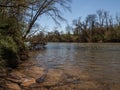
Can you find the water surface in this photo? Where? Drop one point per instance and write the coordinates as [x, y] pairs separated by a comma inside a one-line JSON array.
[[101, 61]]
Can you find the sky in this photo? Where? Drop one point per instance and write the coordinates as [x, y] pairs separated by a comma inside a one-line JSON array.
[[81, 8]]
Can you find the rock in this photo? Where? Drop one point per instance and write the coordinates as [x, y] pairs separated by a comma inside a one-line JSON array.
[[2, 83], [35, 72], [28, 82], [14, 80], [41, 79], [16, 77], [12, 86], [3, 75], [53, 77]]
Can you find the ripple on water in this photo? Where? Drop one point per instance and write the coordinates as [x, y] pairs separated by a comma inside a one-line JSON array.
[[98, 62]]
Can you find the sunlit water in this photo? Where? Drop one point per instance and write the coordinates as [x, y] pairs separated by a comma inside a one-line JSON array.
[[100, 60]]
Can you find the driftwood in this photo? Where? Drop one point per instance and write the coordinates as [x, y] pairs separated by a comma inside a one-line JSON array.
[[37, 46]]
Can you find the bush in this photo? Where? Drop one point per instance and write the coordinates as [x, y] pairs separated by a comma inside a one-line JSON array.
[[12, 47], [9, 51]]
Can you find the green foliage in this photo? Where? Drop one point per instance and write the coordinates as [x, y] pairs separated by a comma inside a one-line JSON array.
[[12, 46], [9, 51]]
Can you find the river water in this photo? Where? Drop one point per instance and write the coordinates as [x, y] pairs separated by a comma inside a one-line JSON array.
[[101, 61]]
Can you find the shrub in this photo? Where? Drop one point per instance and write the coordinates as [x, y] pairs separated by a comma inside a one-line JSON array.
[[9, 51]]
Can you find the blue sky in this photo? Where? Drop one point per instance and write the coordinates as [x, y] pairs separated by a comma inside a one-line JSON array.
[[81, 8]]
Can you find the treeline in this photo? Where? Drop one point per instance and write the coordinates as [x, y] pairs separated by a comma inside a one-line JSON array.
[[99, 27]]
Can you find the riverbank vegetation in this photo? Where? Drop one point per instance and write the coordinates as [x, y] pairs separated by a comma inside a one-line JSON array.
[[98, 27], [18, 22]]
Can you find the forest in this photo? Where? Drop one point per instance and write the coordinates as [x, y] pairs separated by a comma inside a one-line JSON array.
[[98, 27]]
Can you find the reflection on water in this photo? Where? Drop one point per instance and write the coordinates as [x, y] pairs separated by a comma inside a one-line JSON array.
[[101, 61]]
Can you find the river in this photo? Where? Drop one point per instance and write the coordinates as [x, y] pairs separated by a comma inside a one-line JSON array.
[[101, 61]]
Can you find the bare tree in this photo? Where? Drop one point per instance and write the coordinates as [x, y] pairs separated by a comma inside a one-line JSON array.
[[101, 17], [78, 26], [29, 11], [106, 14], [91, 20], [118, 20], [48, 7]]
